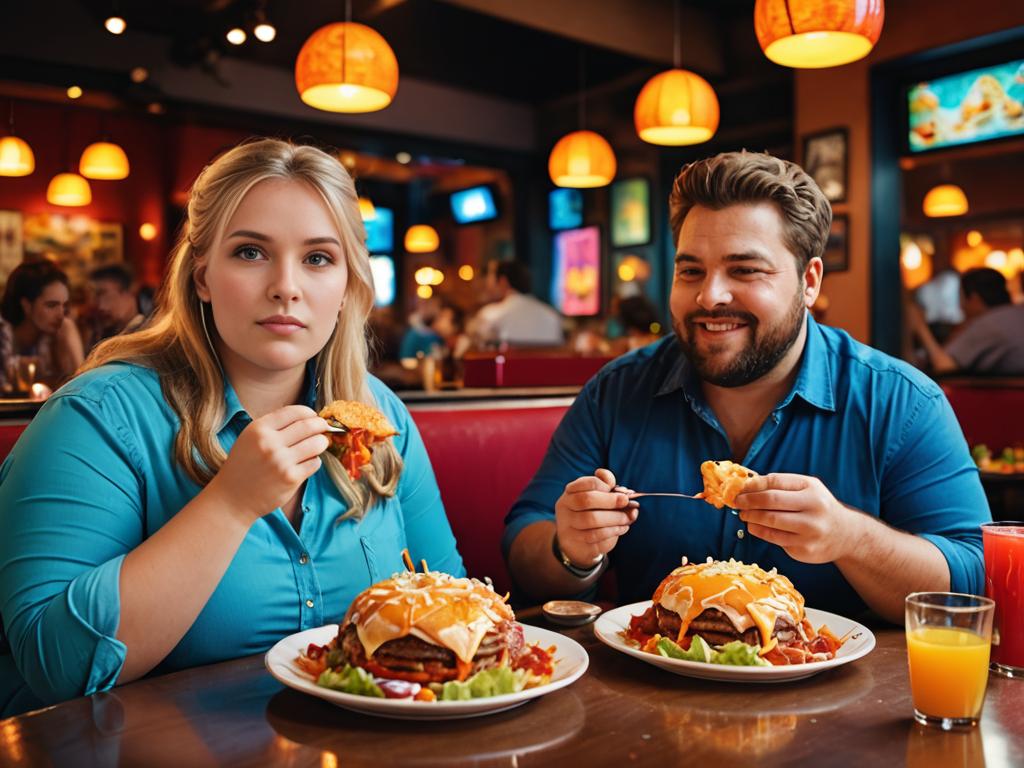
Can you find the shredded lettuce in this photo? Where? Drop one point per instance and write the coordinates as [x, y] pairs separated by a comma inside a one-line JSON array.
[[734, 654], [350, 680], [485, 683], [699, 650]]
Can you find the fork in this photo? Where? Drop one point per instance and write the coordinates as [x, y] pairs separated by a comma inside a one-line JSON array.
[[340, 430], [637, 494]]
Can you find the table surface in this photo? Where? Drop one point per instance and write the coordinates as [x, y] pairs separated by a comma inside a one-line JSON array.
[[621, 712]]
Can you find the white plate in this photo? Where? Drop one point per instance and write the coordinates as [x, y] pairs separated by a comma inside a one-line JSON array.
[[610, 624], [571, 661]]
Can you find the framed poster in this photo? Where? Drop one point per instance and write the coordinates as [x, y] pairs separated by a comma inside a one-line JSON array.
[[837, 247], [10, 243], [576, 278], [825, 160], [78, 244], [631, 213]]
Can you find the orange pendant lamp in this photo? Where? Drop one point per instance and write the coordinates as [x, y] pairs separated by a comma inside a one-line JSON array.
[[945, 200], [104, 160], [16, 158], [367, 210], [810, 34], [677, 107], [346, 67], [69, 190], [582, 159], [421, 238]]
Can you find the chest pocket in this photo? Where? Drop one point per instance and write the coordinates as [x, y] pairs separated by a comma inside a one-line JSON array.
[[382, 539]]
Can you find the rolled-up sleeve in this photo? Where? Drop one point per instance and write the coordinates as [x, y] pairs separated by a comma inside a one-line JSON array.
[[70, 510], [932, 489]]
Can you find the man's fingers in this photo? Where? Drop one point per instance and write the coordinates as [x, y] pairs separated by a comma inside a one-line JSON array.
[[588, 500], [595, 519], [791, 501], [779, 521], [605, 476], [599, 535], [775, 481], [587, 483], [773, 536]]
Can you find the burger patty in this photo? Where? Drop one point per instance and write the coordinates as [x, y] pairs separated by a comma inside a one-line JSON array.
[[411, 652], [716, 628]]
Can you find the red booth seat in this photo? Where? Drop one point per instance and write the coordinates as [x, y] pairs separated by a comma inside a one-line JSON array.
[[525, 368], [990, 411]]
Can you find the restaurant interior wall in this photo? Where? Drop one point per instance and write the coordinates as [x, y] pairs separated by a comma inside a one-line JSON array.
[[840, 96]]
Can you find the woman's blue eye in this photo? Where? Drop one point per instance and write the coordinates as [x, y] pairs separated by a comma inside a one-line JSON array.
[[249, 253], [319, 259]]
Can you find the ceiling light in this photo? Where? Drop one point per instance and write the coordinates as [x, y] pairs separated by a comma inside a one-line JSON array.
[[236, 35], [104, 160], [74, 92], [68, 189], [974, 238], [582, 159], [115, 25], [367, 209], [424, 291], [466, 272], [265, 32], [945, 200], [810, 34], [138, 74], [676, 108], [404, 158], [147, 231], [346, 67], [421, 238], [16, 158]]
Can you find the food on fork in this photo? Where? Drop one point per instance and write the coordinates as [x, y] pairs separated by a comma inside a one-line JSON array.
[[364, 427], [728, 612], [429, 636], [723, 482]]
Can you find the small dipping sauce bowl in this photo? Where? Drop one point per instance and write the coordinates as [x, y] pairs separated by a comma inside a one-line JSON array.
[[570, 613]]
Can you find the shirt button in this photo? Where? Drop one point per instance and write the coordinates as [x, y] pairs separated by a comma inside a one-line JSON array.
[[303, 558], [740, 534], [309, 603]]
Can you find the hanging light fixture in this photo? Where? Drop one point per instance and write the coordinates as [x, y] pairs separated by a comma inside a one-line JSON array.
[[421, 238], [676, 107], [68, 189], [945, 200], [367, 209], [810, 34], [104, 160], [346, 67], [582, 158], [16, 158]]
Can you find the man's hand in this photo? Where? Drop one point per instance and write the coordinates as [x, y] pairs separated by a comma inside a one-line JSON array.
[[590, 517], [800, 515]]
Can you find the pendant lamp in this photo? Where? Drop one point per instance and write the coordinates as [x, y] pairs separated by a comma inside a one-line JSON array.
[[421, 238], [810, 34], [104, 160], [945, 200], [346, 67], [69, 190], [16, 158], [677, 107], [366, 209], [583, 158]]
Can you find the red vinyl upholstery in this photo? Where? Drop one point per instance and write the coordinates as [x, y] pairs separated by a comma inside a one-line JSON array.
[[989, 414], [525, 368], [483, 458], [9, 434]]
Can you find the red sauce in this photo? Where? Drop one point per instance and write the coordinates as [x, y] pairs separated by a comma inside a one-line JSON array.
[[536, 660]]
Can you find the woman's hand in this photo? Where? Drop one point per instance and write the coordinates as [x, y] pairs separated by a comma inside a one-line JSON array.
[[272, 457]]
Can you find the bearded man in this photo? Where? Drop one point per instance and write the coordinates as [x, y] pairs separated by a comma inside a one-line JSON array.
[[865, 490]]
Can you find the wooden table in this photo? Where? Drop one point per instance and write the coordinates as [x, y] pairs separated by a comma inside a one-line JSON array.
[[622, 712]]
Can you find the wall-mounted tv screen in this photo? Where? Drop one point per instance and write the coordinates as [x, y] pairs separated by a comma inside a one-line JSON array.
[[473, 205], [565, 208], [972, 106], [631, 213], [383, 270], [380, 231], [576, 277]]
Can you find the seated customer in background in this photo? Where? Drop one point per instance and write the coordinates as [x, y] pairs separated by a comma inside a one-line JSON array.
[[34, 325], [992, 338], [115, 302], [866, 490], [420, 338], [514, 316], [173, 505]]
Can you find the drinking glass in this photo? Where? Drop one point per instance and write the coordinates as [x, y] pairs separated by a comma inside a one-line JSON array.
[[1004, 583], [948, 640]]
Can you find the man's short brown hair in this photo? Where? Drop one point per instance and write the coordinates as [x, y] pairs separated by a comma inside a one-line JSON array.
[[734, 178]]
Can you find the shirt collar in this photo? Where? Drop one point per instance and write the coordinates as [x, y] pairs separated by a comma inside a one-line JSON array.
[[814, 383], [233, 406]]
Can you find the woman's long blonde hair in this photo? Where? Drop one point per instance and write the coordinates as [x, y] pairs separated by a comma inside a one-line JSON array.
[[175, 344]]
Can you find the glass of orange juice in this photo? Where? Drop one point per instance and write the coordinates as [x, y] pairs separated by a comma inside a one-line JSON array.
[[949, 636]]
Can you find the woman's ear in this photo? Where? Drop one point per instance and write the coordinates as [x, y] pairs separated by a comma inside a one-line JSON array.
[[199, 280]]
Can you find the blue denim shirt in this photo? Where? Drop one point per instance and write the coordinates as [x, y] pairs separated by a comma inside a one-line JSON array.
[[879, 434], [93, 476]]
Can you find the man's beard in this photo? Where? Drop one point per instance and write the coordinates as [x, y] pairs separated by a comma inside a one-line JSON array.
[[759, 355]]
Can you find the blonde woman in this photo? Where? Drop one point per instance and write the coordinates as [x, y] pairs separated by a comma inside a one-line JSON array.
[[173, 505]]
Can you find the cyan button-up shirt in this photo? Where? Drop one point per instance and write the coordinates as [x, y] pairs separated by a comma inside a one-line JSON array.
[[879, 434], [93, 476]]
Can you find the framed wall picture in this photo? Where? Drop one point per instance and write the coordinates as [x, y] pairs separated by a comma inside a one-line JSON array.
[[837, 247], [10, 243], [576, 277], [78, 244], [631, 213], [825, 159]]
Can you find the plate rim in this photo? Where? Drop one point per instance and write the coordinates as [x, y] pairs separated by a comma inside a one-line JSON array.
[[292, 678], [737, 674]]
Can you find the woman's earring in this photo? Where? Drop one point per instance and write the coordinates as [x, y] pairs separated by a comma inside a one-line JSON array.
[[206, 331]]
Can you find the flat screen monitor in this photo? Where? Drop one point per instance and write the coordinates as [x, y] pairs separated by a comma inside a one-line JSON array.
[[383, 270], [380, 231], [978, 105], [473, 205], [565, 209], [576, 277]]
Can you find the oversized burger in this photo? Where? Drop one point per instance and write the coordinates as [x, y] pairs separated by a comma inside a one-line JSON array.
[[728, 612], [429, 635]]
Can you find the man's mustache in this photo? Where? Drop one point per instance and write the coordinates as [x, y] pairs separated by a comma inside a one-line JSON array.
[[692, 318]]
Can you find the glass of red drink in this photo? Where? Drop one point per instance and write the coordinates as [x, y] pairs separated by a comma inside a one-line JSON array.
[[1004, 583]]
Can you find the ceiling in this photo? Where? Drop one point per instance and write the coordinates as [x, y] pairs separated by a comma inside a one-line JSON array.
[[528, 51]]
